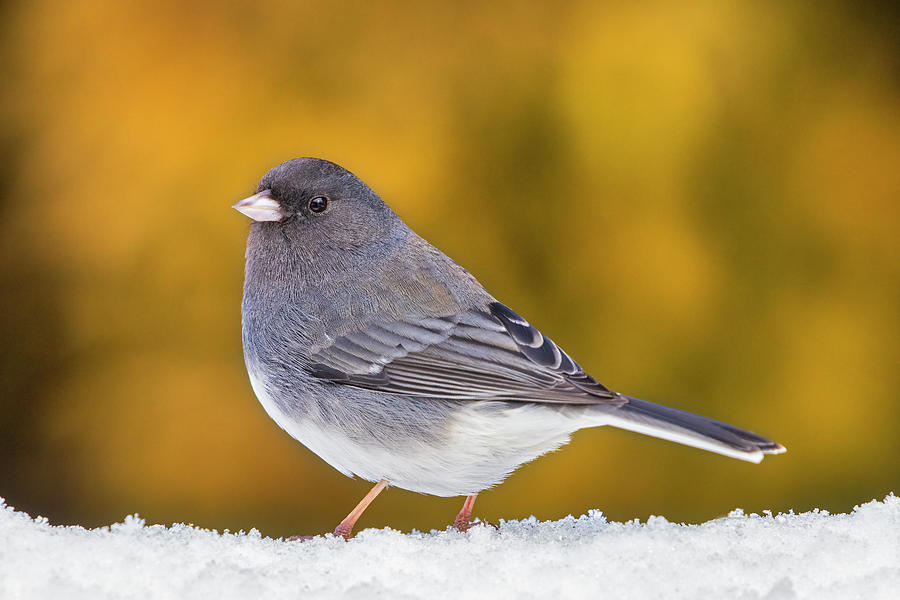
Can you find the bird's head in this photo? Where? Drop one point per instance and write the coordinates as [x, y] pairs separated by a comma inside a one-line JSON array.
[[314, 201]]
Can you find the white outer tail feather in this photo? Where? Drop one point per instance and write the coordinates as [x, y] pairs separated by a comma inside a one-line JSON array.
[[695, 440], [685, 428]]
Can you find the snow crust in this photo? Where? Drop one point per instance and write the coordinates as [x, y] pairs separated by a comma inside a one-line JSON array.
[[777, 557]]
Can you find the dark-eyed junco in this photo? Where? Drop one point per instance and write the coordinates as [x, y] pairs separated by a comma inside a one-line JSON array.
[[392, 363]]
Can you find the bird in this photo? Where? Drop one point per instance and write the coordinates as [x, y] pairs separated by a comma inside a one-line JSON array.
[[393, 364]]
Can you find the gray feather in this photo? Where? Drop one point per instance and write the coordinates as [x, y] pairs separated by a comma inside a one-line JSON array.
[[489, 354]]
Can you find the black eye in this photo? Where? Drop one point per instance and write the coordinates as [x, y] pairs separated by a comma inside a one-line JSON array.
[[318, 204]]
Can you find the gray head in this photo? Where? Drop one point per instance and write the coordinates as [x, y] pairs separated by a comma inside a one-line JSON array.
[[316, 203]]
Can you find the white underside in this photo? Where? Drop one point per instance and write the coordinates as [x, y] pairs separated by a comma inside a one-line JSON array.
[[481, 446]]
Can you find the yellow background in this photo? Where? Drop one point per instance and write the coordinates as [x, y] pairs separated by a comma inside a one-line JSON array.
[[699, 201]]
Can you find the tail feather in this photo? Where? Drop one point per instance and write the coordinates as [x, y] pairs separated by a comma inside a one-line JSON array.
[[690, 429]]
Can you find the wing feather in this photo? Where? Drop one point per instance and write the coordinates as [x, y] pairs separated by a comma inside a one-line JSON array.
[[489, 354]]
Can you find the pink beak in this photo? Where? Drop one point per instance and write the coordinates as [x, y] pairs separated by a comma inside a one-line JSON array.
[[260, 207]]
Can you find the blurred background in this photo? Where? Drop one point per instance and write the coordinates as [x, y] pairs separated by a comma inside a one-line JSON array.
[[699, 201]]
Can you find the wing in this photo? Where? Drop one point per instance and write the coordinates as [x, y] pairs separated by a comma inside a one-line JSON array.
[[490, 354]]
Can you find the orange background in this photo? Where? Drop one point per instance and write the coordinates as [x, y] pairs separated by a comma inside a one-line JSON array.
[[699, 201]]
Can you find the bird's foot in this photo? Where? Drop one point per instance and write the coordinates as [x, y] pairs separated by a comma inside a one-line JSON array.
[[463, 526], [345, 529], [342, 531]]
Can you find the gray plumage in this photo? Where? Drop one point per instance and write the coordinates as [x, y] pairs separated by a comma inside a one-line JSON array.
[[390, 361]]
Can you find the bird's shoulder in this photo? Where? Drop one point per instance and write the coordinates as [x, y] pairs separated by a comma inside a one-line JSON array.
[[431, 275], [406, 282]]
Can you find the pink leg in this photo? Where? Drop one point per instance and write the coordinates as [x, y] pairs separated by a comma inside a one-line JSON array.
[[345, 529], [463, 519]]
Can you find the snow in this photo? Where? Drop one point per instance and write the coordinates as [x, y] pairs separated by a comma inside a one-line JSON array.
[[777, 557]]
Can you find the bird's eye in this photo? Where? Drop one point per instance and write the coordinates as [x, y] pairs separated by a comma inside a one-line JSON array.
[[318, 204]]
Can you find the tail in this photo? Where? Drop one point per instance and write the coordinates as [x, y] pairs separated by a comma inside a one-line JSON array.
[[689, 429]]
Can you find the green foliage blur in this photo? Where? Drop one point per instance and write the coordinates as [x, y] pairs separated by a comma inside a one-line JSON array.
[[700, 201]]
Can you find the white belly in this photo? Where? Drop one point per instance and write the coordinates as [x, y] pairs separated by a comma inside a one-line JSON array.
[[483, 444]]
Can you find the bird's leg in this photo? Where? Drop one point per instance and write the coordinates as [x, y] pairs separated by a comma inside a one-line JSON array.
[[345, 529], [463, 519]]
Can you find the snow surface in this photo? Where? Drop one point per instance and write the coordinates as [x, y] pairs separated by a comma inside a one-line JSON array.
[[809, 555]]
